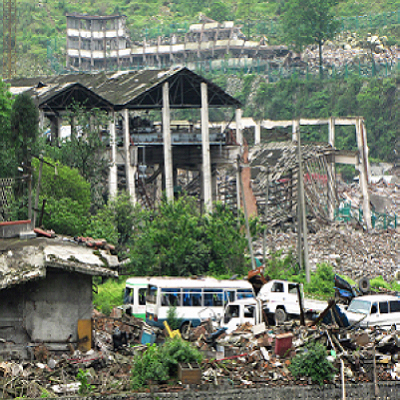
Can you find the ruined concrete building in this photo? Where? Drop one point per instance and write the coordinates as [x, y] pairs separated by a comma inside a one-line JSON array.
[[46, 293], [101, 42], [95, 42]]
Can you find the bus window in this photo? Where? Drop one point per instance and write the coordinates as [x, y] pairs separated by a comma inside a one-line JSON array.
[[244, 294], [152, 294], [142, 296], [229, 296], [128, 296], [191, 297], [213, 297], [171, 297]]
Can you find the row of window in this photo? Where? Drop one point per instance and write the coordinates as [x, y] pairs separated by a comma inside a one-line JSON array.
[[193, 297], [386, 307]]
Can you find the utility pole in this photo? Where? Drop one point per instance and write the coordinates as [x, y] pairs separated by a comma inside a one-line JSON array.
[[302, 207], [246, 217], [265, 213]]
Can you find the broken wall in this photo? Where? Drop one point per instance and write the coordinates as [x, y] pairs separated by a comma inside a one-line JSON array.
[[45, 310]]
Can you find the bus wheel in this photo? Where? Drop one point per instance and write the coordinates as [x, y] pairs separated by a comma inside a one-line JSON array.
[[280, 316], [185, 330]]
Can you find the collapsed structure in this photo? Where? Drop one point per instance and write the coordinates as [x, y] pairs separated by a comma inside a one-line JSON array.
[[46, 294], [102, 42]]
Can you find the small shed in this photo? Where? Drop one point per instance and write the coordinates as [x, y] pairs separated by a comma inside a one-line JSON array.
[[46, 293]]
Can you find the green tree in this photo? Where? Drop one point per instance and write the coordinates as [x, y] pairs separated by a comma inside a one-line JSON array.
[[309, 21], [67, 196], [312, 363], [114, 222], [177, 240], [85, 149], [24, 126], [7, 155]]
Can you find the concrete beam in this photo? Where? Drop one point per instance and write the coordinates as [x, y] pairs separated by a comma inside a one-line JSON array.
[[112, 180], [257, 133], [239, 133], [363, 174], [166, 117], [130, 170], [205, 139]]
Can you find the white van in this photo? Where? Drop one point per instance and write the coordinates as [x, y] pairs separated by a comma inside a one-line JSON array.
[[374, 310]]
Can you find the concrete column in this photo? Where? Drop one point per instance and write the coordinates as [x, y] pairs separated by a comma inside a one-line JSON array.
[[130, 170], [257, 133], [214, 185], [41, 120], [366, 151], [331, 173], [112, 180], [239, 133], [166, 118], [363, 175], [205, 146], [295, 128], [55, 129]]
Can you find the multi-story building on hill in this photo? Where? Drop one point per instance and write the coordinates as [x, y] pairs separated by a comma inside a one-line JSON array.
[[99, 43]]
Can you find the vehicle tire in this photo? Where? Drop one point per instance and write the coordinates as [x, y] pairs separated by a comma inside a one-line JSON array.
[[185, 330], [363, 285], [280, 316]]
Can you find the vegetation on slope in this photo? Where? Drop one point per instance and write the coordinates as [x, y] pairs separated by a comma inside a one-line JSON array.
[[377, 100], [41, 28]]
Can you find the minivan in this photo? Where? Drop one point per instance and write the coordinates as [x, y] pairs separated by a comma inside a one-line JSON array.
[[374, 310]]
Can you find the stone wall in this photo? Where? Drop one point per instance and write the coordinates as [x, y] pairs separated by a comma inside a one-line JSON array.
[[387, 391]]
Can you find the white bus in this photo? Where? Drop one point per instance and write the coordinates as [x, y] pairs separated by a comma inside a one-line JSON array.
[[195, 299], [135, 296]]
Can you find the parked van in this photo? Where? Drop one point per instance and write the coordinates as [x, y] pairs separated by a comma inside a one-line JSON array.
[[374, 310]]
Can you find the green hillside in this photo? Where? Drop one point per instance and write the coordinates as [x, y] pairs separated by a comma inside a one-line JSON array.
[[41, 27], [41, 35]]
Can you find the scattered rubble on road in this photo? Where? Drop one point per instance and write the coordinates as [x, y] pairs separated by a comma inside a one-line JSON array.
[[248, 357]]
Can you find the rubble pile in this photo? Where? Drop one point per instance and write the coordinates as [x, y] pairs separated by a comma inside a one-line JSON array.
[[251, 356], [350, 48], [249, 359], [351, 252]]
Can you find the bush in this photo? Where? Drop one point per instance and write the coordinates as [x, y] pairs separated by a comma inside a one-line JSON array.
[[312, 363], [177, 350], [160, 363], [322, 282], [109, 295], [173, 320], [148, 367]]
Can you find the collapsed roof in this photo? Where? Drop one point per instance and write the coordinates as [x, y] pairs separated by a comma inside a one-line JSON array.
[[138, 90], [22, 261]]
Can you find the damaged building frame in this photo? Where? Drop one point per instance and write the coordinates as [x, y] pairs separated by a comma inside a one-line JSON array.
[[102, 42], [275, 164], [167, 145], [46, 294]]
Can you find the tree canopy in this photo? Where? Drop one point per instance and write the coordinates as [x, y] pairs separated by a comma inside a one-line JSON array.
[[177, 240], [24, 126], [7, 155], [309, 21]]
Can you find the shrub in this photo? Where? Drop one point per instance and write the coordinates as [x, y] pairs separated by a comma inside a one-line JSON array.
[[312, 363], [148, 367], [177, 350], [83, 378], [109, 295], [161, 363], [173, 320]]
